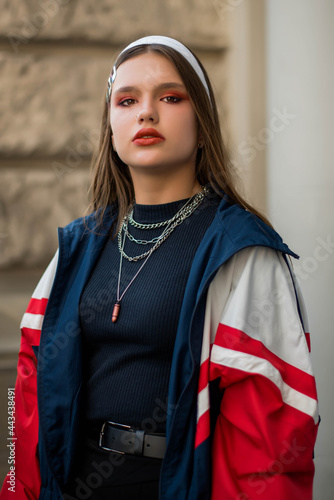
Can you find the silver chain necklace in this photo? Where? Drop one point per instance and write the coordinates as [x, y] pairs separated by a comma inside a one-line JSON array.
[[188, 206], [187, 209]]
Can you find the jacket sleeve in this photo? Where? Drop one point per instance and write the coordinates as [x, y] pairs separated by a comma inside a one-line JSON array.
[[265, 433], [23, 481]]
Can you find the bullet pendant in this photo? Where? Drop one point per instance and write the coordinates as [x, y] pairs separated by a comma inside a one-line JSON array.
[[115, 312]]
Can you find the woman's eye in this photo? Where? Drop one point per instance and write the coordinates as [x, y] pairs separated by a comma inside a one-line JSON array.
[[172, 99], [126, 102]]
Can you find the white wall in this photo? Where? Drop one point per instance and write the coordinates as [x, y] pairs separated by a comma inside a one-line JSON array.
[[300, 79]]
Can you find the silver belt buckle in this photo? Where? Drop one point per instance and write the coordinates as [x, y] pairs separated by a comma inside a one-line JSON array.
[[122, 426]]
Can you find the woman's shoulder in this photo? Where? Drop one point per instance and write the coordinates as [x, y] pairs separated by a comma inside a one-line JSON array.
[[245, 229]]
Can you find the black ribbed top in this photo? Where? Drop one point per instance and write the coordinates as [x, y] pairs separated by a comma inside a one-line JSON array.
[[127, 363]]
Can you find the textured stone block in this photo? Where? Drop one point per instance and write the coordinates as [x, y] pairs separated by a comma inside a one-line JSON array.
[[33, 204], [48, 103], [115, 22]]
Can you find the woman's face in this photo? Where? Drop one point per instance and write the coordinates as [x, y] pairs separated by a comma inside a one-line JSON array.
[[152, 119]]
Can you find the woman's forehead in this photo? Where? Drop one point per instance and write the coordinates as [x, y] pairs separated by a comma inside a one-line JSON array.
[[148, 70]]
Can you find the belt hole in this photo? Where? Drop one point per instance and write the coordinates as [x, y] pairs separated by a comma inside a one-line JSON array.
[[148, 445]]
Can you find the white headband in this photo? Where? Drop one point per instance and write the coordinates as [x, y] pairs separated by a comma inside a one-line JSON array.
[[169, 42]]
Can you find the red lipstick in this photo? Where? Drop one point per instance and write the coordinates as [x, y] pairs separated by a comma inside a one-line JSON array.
[[147, 137]]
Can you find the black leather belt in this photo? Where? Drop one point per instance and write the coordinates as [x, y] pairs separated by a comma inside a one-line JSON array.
[[124, 439]]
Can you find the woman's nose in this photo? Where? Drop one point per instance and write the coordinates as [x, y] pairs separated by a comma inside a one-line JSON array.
[[148, 113]]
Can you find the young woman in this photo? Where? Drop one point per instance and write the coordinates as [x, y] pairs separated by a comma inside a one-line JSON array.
[[168, 331]]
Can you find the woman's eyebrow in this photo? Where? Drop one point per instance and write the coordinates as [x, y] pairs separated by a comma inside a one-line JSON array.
[[161, 86]]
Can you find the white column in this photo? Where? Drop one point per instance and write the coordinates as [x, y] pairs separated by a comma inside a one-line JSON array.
[[245, 93], [300, 89]]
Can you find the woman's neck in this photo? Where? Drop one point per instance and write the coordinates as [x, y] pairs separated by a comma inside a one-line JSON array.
[[155, 190]]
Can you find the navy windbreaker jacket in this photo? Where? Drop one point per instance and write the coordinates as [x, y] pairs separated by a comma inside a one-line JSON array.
[[199, 462]]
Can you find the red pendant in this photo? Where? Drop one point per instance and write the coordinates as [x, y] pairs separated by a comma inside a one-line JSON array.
[[115, 312]]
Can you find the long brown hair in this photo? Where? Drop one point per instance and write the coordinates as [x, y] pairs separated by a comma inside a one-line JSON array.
[[112, 183]]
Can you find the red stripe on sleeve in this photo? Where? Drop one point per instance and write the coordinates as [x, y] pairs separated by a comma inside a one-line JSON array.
[[237, 340], [37, 306], [203, 428], [30, 336], [203, 375]]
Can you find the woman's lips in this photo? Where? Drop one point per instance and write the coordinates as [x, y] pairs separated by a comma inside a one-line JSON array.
[[147, 141], [147, 137]]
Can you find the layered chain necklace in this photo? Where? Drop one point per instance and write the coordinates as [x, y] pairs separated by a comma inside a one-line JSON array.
[[168, 227]]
